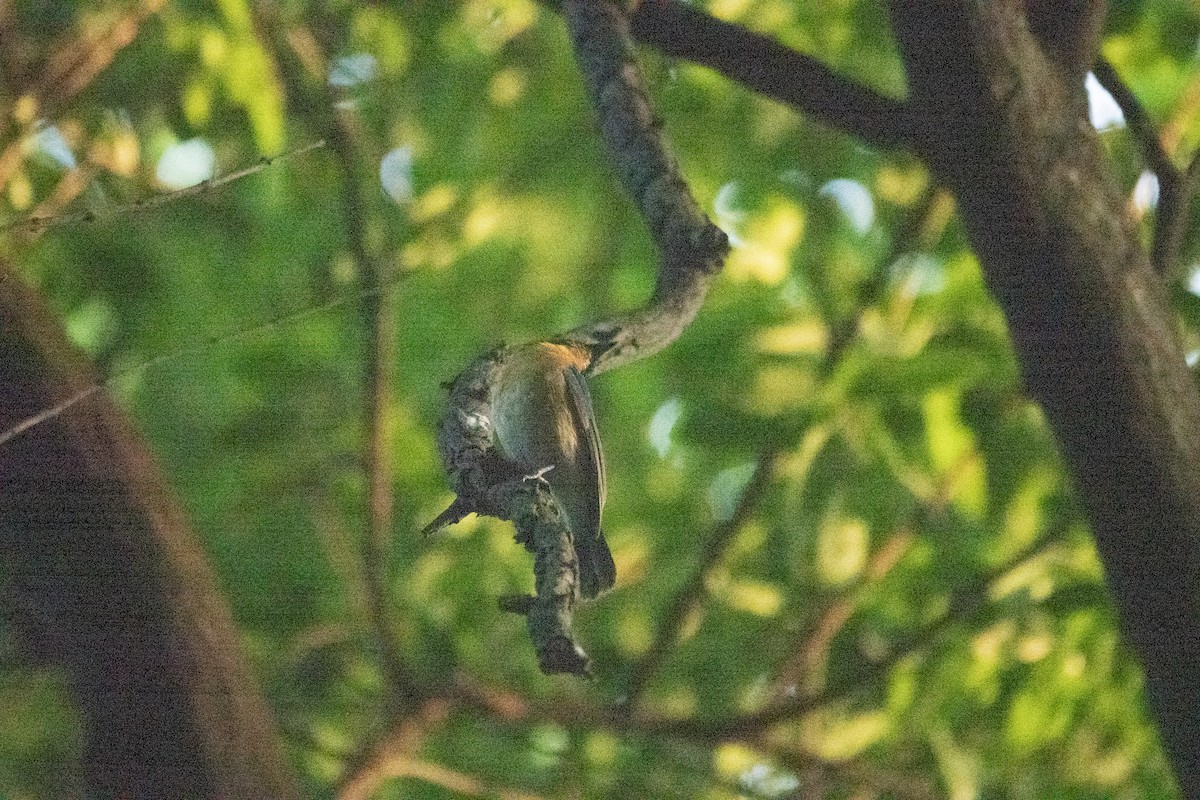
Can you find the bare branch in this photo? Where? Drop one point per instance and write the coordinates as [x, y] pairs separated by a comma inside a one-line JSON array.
[[691, 249], [1138, 121], [765, 66], [1176, 188], [452, 780], [800, 673]]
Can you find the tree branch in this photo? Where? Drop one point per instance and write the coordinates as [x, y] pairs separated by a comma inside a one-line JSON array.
[[691, 249], [1137, 119], [1175, 188], [384, 756], [108, 582], [765, 66], [1089, 320]]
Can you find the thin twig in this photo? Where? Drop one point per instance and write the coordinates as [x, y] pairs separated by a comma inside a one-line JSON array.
[[380, 756], [796, 675], [39, 224], [1176, 187], [193, 349], [964, 602], [689, 596], [459, 783]]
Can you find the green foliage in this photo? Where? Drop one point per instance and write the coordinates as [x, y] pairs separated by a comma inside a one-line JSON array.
[[915, 574]]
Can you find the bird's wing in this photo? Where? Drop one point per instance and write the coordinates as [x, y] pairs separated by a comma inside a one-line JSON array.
[[592, 454], [597, 570]]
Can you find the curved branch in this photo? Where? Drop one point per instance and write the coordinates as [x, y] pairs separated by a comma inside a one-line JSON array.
[[691, 252], [691, 248]]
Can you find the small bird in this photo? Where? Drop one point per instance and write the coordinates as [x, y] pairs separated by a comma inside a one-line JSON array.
[[542, 417]]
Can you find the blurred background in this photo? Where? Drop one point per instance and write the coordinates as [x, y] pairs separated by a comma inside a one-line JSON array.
[[849, 561]]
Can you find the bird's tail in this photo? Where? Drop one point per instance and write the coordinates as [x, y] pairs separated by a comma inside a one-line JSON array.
[[597, 571]]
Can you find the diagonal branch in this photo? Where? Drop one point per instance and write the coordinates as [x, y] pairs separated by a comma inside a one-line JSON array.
[[763, 65], [1176, 188], [1137, 118], [803, 671], [38, 224], [688, 598]]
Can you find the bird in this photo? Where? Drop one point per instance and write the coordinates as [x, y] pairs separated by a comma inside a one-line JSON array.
[[542, 420]]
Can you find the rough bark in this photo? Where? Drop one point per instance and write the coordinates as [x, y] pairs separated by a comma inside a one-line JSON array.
[[104, 578], [1089, 319], [691, 249]]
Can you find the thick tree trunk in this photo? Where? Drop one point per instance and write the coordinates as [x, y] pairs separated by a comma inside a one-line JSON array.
[[104, 577], [1088, 316]]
